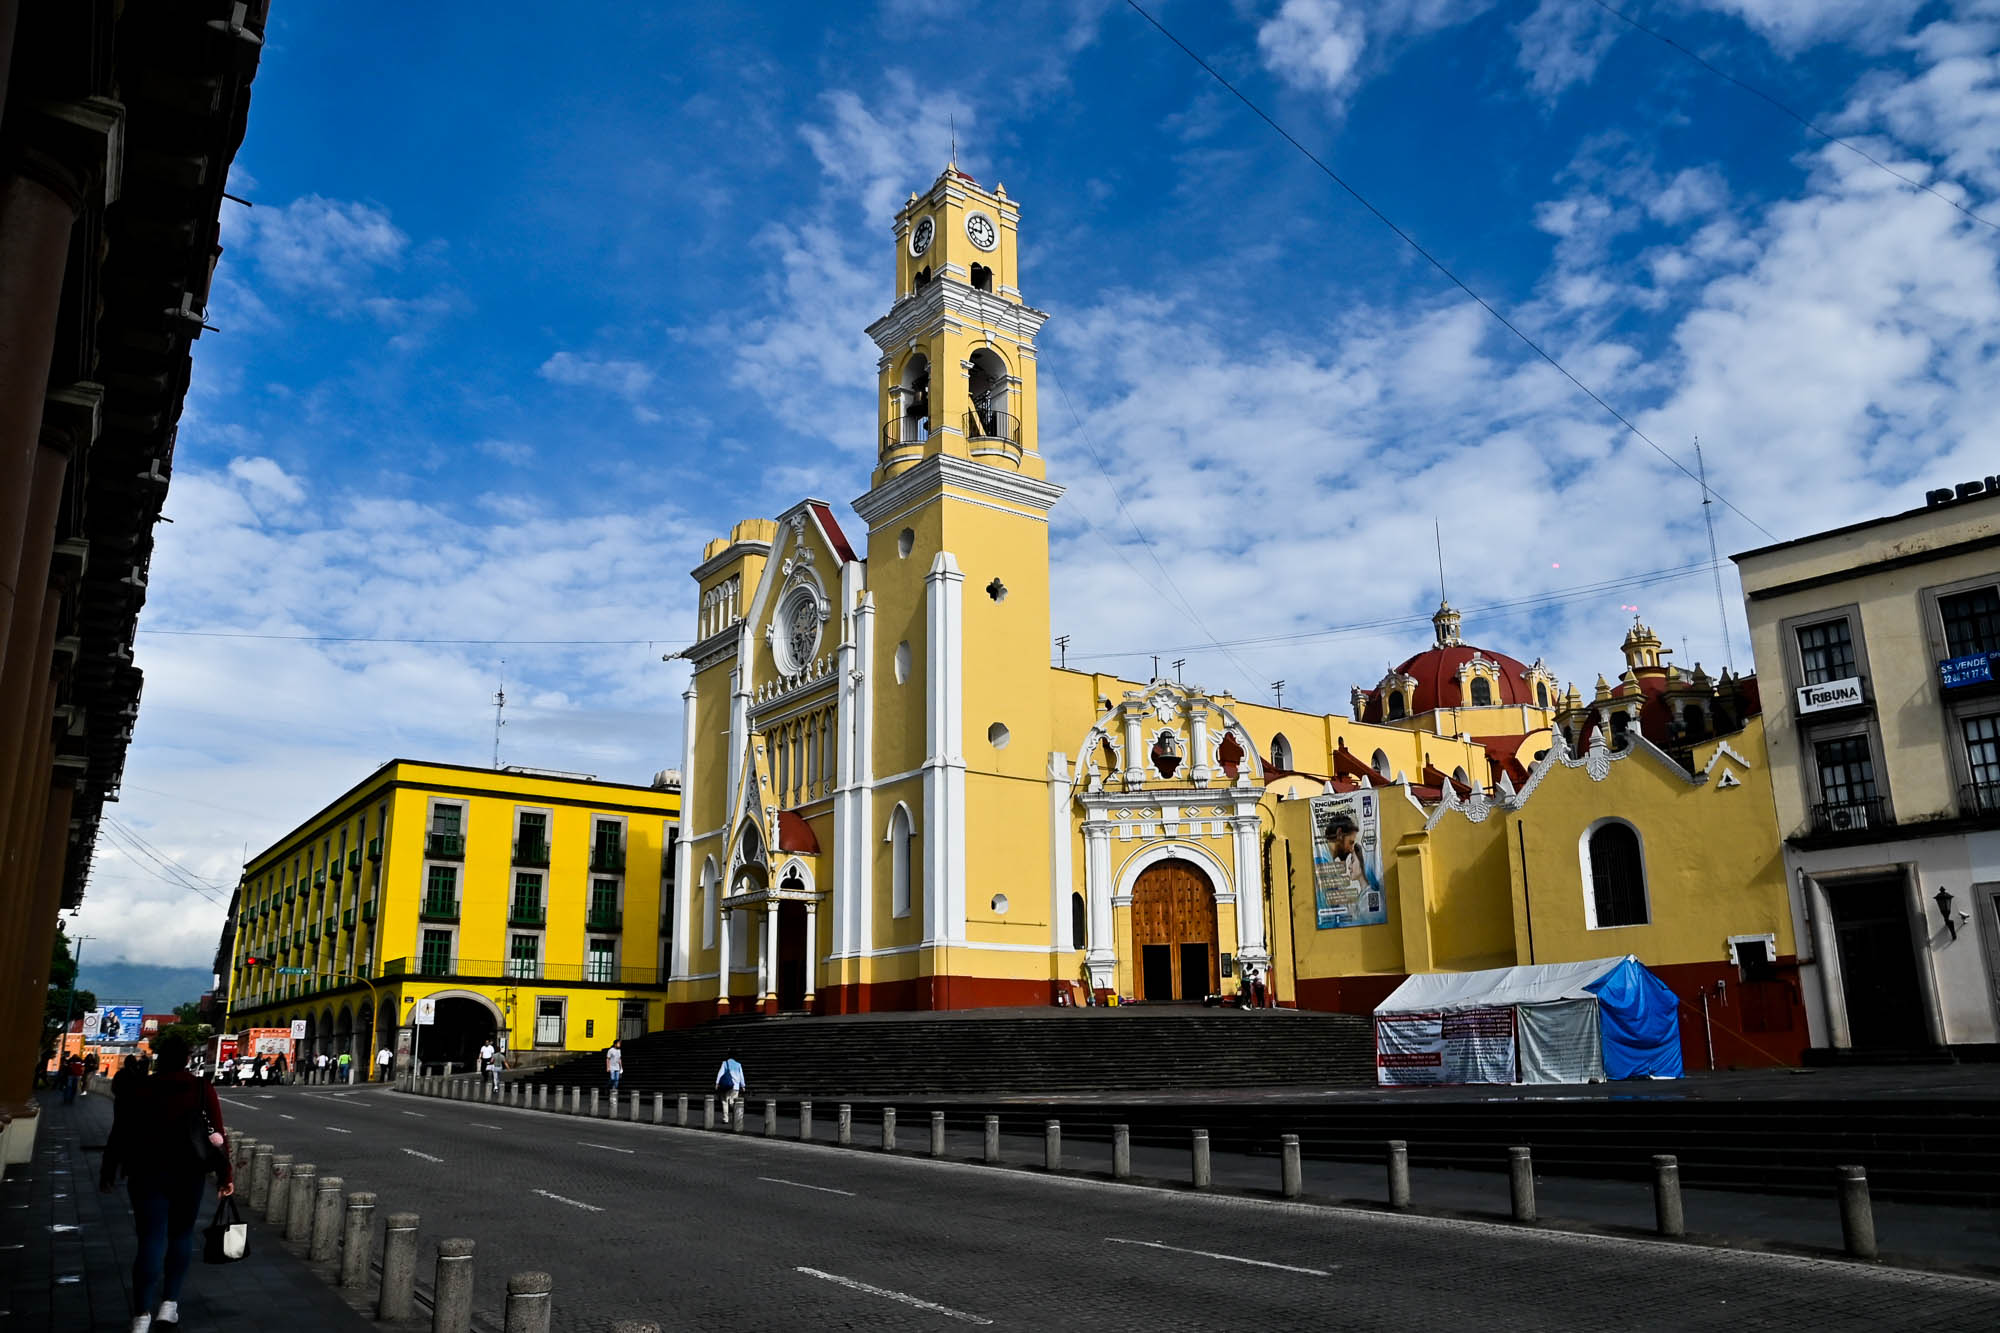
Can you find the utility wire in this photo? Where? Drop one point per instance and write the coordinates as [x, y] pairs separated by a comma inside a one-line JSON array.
[[1438, 264], [1763, 96], [168, 870], [367, 638]]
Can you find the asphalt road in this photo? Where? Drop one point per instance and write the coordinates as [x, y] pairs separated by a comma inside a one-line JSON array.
[[705, 1230]]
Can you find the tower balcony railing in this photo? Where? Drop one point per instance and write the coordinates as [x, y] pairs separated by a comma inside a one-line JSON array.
[[900, 431], [989, 424]]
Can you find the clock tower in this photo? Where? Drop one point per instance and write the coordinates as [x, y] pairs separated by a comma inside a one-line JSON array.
[[958, 572]]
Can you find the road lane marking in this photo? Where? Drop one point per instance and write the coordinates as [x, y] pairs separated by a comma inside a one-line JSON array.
[[485, 1126], [337, 1129], [852, 1285], [1211, 1254], [585, 1143], [426, 1156], [233, 1102], [418, 1114], [283, 1116], [574, 1203], [801, 1185]]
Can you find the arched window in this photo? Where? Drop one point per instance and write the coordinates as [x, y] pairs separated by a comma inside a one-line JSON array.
[[1620, 724], [986, 382], [1691, 719], [1281, 752], [1542, 693], [1615, 871], [1380, 763], [1482, 692], [901, 871], [1458, 775], [1079, 924], [1397, 708]]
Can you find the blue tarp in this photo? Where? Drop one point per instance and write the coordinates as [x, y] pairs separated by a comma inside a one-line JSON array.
[[1639, 1020]]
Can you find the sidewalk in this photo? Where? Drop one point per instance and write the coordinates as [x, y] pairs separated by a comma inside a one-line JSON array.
[[66, 1250]]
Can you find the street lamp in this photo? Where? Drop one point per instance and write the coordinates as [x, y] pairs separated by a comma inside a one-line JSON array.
[[1944, 901]]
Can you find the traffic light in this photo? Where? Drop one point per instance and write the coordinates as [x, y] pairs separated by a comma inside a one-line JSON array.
[[253, 960]]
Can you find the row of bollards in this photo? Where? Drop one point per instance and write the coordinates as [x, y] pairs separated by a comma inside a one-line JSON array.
[[1856, 1213], [333, 1226]]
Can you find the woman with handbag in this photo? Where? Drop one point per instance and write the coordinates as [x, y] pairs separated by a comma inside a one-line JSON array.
[[166, 1140]]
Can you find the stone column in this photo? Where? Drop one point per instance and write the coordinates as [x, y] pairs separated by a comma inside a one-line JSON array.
[[1102, 957], [767, 983], [812, 952], [722, 951], [1198, 771], [1249, 876]]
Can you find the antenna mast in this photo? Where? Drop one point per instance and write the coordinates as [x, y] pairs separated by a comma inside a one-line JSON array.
[[1714, 559], [499, 708], [1437, 534]]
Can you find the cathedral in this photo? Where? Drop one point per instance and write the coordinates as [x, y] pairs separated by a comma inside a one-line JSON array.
[[893, 800]]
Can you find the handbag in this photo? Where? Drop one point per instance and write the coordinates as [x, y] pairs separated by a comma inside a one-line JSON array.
[[225, 1242]]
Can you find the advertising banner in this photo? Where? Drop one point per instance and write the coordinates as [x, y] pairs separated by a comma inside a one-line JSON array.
[[1347, 860], [1452, 1046], [267, 1042], [117, 1024], [91, 1019]]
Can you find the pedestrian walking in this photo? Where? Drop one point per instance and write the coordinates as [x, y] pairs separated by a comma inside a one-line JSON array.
[[385, 1060], [72, 1078], [489, 1060], [166, 1140], [614, 1062], [319, 1063], [346, 1065], [730, 1085]]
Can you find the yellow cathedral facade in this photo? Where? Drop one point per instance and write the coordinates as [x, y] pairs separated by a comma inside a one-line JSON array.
[[893, 800]]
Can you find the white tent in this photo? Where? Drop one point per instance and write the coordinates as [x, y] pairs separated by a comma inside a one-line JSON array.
[[1544, 1023]]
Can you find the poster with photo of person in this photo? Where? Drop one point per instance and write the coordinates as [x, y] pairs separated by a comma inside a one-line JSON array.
[[1347, 860]]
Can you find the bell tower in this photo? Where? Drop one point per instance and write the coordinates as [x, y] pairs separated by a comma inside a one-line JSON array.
[[958, 346], [958, 581]]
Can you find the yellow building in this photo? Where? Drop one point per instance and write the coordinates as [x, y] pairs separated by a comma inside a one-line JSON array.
[[528, 905], [895, 801]]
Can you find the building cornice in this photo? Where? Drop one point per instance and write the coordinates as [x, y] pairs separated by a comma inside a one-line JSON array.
[[932, 475], [736, 551]]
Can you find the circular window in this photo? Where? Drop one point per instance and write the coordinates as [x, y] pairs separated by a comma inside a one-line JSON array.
[[797, 640], [997, 736], [999, 904]]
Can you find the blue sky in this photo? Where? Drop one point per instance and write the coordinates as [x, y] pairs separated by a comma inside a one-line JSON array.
[[532, 303]]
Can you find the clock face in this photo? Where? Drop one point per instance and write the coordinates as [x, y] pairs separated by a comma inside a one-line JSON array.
[[920, 235], [979, 229]]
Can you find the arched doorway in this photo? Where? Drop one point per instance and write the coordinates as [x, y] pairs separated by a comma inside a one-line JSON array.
[[461, 1027], [791, 956], [1173, 932]]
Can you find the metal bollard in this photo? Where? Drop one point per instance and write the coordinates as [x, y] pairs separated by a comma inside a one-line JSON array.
[[888, 1129], [528, 1302], [1202, 1174], [632, 1107], [1121, 1152], [399, 1265], [593, 1103], [937, 1133], [708, 1112], [805, 1122], [1291, 1174], [1521, 1184], [736, 1116], [357, 1241], [681, 1110], [1857, 1214], [299, 1212], [543, 1097], [1399, 1173], [260, 1178], [845, 1126], [451, 1290], [659, 1108], [770, 1119], [1052, 1144], [278, 1195], [992, 1153], [324, 1242], [1668, 1219]]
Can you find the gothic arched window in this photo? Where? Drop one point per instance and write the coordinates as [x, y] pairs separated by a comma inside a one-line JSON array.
[[1380, 763], [1281, 752], [1542, 693], [1078, 922], [902, 873]]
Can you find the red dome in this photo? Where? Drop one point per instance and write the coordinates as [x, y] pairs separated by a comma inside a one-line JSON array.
[[1435, 671]]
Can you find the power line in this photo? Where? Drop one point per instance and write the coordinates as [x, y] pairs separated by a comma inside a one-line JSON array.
[[1763, 96], [162, 867], [1438, 264], [369, 638]]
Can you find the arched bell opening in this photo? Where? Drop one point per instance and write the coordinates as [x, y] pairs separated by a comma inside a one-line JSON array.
[[990, 417], [910, 404]]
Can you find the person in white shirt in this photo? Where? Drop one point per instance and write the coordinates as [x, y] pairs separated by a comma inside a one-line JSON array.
[[491, 1065], [319, 1064], [384, 1058]]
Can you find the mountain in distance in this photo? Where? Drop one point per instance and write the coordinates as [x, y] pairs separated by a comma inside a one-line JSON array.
[[155, 987]]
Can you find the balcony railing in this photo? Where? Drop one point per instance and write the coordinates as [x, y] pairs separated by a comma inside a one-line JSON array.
[[905, 430], [319, 878], [347, 918], [526, 914], [439, 907], [532, 852], [354, 860], [445, 846], [437, 965], [312, 932], [496, 969], [608, 856], [992, 426], [1979, 798], [368, 910], [375, 849], [604, 918], [338, 868], [1849, 816], [290, 894]]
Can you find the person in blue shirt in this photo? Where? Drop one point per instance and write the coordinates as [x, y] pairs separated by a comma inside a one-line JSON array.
[[730, 1083]]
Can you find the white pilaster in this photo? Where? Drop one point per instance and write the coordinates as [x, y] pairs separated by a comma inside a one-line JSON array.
[[944, 767], [1135, 754], [1102, 957], [1061, 877], [1198, 741], [767, 953], [684, 885], [724, 962], [812, 952], [1249, 877], [861, 905]]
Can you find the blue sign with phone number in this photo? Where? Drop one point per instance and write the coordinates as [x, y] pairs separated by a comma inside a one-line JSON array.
[[1972, 669]]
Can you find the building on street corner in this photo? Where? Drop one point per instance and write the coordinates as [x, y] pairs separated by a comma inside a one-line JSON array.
[[1880, 641], [528, 905]]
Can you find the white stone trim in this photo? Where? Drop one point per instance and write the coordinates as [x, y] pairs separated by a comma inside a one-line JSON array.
[[944, 768], [931, 475], [1062, 877], [677, 965]]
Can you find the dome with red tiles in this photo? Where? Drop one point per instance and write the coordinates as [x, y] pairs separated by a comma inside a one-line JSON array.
[[1454, 674]]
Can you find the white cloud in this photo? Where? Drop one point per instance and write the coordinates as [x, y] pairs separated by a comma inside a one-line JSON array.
[[267, 480], [328, 249], [1562, 42], [1313, 44], [629, 380], [1792, 25]]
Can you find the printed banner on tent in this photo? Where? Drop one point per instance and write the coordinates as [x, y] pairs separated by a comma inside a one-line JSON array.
[[1459, 1046], [1347, 860]]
